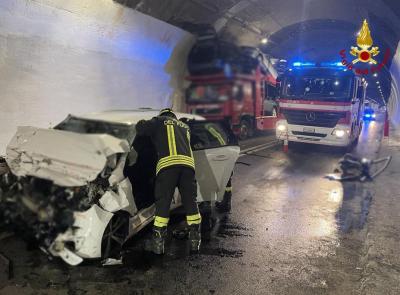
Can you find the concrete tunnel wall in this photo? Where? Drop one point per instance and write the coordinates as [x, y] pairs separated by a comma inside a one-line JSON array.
[[59, 57], [393, 103]]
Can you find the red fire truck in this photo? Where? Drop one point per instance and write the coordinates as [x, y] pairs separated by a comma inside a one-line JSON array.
[[246, 101], [321, 104]]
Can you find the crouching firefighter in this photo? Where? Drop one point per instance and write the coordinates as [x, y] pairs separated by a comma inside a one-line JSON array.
[[175, 168]]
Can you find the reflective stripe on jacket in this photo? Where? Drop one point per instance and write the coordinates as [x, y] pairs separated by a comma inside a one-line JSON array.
[[171, 139]]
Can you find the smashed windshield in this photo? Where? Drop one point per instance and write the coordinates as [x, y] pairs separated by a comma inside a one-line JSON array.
[[79, 125], [325, 88]]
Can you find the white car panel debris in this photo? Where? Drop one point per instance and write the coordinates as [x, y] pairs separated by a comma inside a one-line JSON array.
[[118, 174], [66, 158], [67, 255], [90, 228], [86, 235], [122, 200]]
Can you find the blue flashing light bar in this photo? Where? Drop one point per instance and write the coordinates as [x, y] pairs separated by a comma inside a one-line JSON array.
[[332, 64], [303, 64], [313, 64]]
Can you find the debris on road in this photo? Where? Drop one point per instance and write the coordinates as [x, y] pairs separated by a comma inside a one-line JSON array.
[[5, 235], [353, 168], [112, 261], [5, 270]]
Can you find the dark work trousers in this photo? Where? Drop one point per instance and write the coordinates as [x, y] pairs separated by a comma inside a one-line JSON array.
[[166, 182]]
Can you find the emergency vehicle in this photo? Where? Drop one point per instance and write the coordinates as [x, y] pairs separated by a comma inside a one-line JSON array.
[[246, 101], [321, 104]]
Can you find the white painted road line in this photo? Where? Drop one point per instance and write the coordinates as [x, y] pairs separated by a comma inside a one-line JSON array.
[[259, 147]]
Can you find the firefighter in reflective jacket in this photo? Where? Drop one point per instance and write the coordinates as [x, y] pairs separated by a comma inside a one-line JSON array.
[[175, 168]]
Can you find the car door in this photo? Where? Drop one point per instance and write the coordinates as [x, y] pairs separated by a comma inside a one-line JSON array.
[[215, 150]]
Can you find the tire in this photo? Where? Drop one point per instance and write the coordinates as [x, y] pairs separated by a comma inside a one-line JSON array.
[[246, 129], [115, 235]]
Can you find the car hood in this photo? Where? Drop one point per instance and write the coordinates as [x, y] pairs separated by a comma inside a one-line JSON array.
[[68, 159]]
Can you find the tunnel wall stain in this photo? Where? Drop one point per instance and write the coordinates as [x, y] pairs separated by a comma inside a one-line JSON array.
[[79, 56]]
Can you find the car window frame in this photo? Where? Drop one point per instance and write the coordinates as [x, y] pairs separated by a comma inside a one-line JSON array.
[[232, 140]]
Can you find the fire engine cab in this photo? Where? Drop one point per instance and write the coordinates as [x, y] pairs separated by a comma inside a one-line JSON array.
[[246, 101], [321, 104]]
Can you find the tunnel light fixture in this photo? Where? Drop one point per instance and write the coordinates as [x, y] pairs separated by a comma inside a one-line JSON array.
[[264, 40], [377, 82], [375, 75]]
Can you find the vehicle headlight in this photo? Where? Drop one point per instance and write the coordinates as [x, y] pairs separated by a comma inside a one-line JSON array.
[[281, 127], [373, 115], [339, 132]]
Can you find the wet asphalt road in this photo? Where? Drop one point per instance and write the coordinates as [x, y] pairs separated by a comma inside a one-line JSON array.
[[290, 232]]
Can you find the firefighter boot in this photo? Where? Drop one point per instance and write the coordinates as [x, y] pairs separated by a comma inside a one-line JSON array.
[[194, 238], [225, 204], [157, 241]]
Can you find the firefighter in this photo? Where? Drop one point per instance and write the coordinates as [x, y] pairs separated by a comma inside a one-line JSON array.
[[175, 168]]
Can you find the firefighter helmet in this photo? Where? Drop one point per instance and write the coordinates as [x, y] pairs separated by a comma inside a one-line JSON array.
[[167, 112]]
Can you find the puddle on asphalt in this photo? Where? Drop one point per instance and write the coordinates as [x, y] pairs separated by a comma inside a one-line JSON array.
[[354, 210]]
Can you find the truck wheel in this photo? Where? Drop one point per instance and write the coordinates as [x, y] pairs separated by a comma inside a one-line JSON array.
[[246, 130]]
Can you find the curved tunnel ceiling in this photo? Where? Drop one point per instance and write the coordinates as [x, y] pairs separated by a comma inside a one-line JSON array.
[[247, 21], [305, 29]]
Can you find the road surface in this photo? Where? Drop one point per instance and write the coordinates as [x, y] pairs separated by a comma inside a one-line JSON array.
[[290, 232]]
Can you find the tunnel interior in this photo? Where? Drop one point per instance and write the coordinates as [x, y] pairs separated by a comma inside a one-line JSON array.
[[285, 208], [304, 30]]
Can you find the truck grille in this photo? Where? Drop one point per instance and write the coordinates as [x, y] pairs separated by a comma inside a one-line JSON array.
[[310, 118], [309, 134], [208, 111]]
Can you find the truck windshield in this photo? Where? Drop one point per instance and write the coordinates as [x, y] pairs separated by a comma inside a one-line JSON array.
[[331, 88], [213, 93], [79, 125]]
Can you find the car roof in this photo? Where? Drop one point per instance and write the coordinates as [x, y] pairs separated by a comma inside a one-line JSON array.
[[132, 116]]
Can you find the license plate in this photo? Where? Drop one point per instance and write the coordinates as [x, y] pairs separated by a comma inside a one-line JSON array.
[[309, 130]]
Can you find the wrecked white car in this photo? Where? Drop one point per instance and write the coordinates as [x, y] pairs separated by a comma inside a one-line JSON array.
[[84, 187]]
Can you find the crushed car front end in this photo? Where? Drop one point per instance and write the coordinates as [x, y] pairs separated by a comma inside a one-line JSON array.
[[63, 188]]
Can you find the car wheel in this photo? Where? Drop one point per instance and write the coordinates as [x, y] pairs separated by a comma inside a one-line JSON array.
[[246, 130], [115, 235]]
